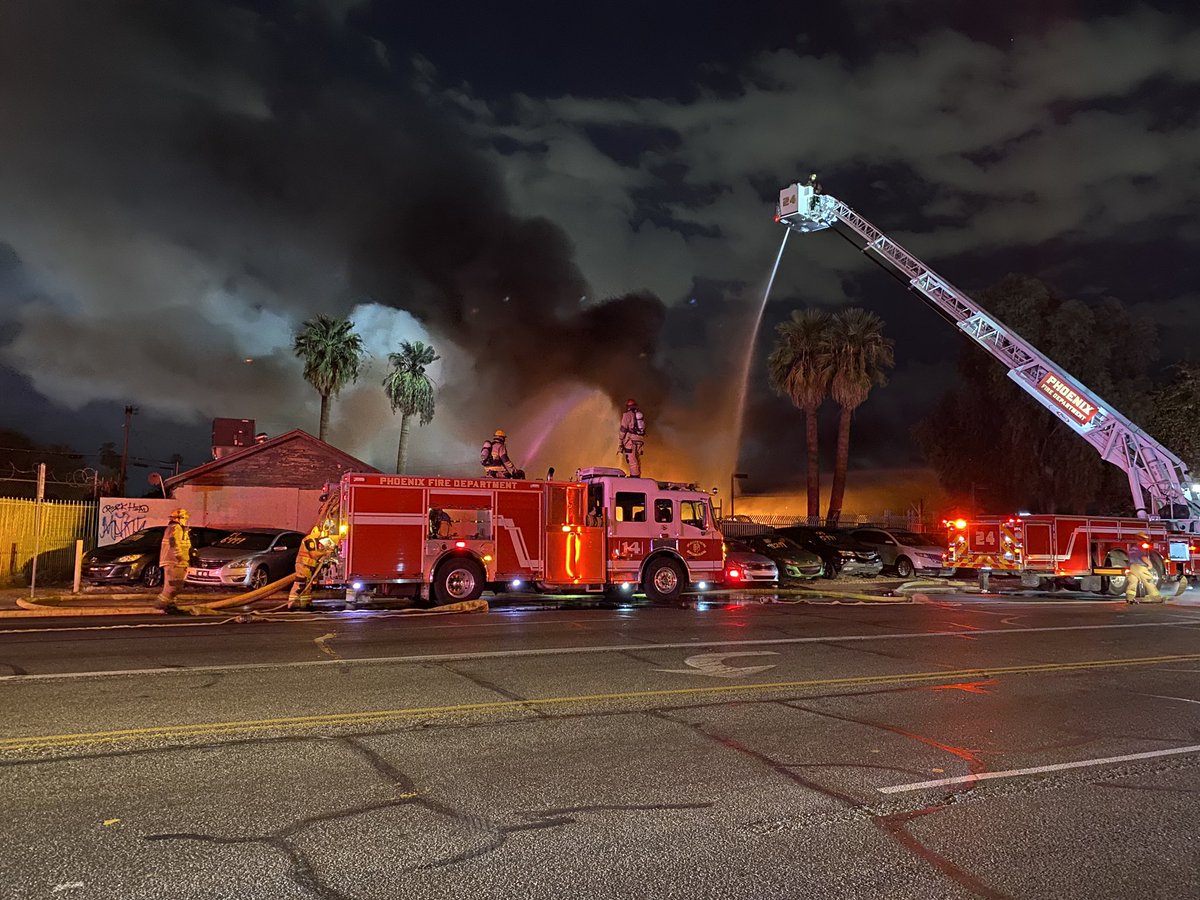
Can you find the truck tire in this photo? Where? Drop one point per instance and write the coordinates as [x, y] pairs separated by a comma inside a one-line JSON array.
[[663, 580], [1115, 584], [457, 579]]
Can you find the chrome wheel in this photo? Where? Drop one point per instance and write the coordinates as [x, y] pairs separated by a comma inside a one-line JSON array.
[[258, 578], [460, 583]]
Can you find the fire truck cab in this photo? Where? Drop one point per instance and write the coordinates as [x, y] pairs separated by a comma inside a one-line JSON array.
[[449, 539]]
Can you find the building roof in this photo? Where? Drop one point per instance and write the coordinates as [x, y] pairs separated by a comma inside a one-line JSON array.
[[294, 459]]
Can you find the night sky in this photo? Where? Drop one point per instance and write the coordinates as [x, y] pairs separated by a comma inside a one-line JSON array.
[[572, 203]]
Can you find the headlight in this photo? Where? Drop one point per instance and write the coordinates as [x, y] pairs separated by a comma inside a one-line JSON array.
[[846, 554], [128, 558], [239, 564]]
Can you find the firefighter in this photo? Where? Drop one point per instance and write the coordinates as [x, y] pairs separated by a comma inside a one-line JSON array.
[[633, 436], [317, 545], [1140, 572], [173, 555], [816, 190], [493, 456]]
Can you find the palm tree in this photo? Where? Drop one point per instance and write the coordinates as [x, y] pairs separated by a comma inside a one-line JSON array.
[[859, 358], [409, 390], [332, 355], [799, 370]]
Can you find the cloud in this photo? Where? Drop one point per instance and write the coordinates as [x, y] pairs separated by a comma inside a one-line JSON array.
[[180, 189]]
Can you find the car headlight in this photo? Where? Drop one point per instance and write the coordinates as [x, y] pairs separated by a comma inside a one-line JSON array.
[[846, 554], [128, 558], [239, 564]]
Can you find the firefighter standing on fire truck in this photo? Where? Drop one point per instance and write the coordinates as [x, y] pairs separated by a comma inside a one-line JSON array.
[[317, 545], [1140, 572], [493, 456], [633, 436]]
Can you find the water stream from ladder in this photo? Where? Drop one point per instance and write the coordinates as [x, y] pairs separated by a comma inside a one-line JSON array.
[[748, 363]]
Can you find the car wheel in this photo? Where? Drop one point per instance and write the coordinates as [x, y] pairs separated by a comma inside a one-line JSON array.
[[904, 567], [152, 575], [829, 570], [458, 579], [663, 580], [259, 578]]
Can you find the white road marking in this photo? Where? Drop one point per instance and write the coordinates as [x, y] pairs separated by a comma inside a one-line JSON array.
[[1037, 770], [570, 651], [713, 665], [1164, 697]]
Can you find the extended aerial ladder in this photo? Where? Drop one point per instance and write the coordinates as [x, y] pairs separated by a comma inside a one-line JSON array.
[[1158, 479]]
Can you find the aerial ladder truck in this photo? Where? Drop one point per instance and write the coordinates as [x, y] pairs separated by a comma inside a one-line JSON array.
[[1089, 551]]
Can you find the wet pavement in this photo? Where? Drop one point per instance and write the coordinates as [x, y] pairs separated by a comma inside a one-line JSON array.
[[942, 745]]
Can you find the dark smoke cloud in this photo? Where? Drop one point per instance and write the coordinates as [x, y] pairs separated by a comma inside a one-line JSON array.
[[189, 182]]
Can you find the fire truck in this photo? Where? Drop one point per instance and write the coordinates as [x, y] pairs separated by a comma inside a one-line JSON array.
[[448, 539], [1089, 552]]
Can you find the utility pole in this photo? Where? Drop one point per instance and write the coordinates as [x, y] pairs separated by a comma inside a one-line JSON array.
[[130, 412], [733, 480]]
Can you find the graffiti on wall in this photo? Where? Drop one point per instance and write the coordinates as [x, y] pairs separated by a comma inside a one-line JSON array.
[[121, 518]]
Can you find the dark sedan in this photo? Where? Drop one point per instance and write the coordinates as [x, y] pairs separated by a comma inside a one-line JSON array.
[[842, 554], [247, 558], [792, 559], [134, 559]]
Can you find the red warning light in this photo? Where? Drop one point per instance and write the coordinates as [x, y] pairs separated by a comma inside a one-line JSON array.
[[460, 544], [960, 524], [734, 573]]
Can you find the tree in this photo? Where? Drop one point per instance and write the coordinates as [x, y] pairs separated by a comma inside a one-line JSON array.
[[332, 355], [799, 370], [988, 432], [1174, 416], [409, 390], [858, 360]]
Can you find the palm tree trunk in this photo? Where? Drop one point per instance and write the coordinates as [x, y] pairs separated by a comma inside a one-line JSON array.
[[324, 417], [402, 448], [840, 465], [814, 467]]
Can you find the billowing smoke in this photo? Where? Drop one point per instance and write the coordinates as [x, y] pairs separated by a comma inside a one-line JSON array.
[[180, 192]]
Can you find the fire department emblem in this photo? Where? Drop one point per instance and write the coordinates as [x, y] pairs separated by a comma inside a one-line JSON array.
[[695, 548]]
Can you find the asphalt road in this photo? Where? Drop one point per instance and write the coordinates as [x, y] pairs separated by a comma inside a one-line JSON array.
[[955, 748]]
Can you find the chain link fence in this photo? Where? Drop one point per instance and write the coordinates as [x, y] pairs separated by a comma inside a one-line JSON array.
[[62, 524]]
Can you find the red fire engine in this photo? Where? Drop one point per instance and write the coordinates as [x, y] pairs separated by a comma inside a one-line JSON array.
[[1089, 552], [449, 539]]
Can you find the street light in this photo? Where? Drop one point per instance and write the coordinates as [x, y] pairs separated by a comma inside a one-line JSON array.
[[733, 479]]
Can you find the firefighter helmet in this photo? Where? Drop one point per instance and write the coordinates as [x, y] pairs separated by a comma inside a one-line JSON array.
[[500, 434], [630, 403], [179, 513]]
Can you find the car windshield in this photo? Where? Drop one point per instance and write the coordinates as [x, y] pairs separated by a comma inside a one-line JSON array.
[[245, 540], [738, 547], [779, 544], [912, 539], [147, 537]]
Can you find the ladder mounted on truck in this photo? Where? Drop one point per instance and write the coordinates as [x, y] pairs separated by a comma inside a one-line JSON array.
[[1158, 479]]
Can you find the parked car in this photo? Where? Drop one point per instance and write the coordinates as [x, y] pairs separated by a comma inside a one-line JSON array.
[[744, 566], [841, 554], [792, 559], [905, 552], [247, 558], [134, 559]]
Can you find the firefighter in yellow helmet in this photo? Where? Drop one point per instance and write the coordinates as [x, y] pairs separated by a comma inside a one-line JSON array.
[[173, 554], [493, 456], [1140, 572], [317, 545]]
